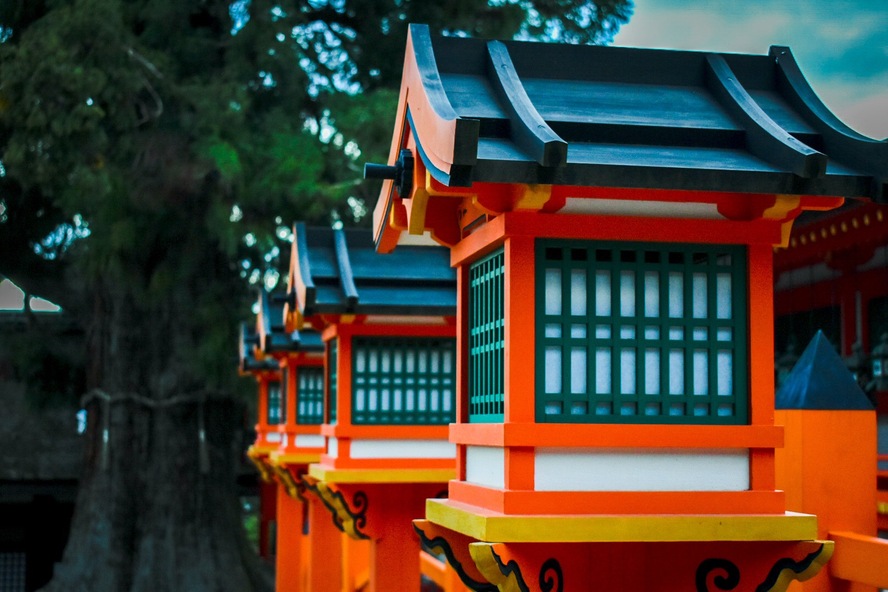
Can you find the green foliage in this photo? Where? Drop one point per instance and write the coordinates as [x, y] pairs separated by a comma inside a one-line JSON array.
[[225, 159], [251, 523], [163, 147]]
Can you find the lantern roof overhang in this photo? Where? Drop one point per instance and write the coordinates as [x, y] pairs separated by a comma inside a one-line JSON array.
[[512, 112], [339, 272], [272, 335], [249, 359]]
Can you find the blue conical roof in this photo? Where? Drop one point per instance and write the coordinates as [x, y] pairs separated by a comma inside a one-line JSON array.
[[820, 380]]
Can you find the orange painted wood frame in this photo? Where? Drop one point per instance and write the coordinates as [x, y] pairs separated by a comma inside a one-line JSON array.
[[519, 434], [528, 502], [263, 428], [438, 132]]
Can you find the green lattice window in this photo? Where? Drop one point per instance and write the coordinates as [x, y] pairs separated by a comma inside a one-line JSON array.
[[401, 380], [641, 333], [310, 409], [486, 338], [276, 403], [331, 380]]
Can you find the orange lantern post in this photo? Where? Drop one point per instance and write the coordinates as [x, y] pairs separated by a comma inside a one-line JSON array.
[[388, 326], [612, 214]]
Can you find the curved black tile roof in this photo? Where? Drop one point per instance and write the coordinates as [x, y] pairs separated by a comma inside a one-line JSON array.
[[627, 117], [246, 352], [341, 273], [273, 337]]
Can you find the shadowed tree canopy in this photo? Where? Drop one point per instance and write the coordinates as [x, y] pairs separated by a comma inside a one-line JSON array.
[[152, 155]]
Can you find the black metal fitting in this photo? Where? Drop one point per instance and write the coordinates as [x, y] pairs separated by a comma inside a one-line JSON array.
[[401, 173]]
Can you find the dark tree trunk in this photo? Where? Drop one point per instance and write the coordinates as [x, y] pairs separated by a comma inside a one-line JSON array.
[[157, 510]]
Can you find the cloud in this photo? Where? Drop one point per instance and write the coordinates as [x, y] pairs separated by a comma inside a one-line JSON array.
[[841, 45], [865, 111]]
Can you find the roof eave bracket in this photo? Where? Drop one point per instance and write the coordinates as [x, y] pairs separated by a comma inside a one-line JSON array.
[[528, 128]]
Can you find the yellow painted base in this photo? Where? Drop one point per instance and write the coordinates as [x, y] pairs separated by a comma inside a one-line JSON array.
[[257, 450], [324, 473], [259, 460], [295, 458], [484, 525]]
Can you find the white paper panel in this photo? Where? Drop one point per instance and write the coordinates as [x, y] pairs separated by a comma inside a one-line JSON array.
[[553, 291]]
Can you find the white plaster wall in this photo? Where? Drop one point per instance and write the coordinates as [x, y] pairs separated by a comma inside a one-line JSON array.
[[309, 441], [637, 470], [654, 209], [402, 449], [485, 465]]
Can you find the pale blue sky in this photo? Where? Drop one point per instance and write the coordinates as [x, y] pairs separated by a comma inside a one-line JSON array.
[[841, 45]]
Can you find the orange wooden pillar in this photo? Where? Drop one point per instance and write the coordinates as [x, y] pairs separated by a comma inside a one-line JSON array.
[[355, 563], [325, 550], [290, 572], [394, 559], [392, 567], [268, 506]]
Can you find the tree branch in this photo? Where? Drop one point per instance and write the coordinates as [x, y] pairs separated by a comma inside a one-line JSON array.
[[144, 61]]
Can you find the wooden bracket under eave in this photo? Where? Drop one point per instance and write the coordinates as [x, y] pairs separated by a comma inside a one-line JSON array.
[[293, 486], [348, 520], [455, 548]]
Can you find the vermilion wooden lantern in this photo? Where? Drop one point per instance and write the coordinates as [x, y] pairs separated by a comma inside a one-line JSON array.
[[388, 326], [612, 213], [251, 362], [300, 405], [267, 373], [292, 412]]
